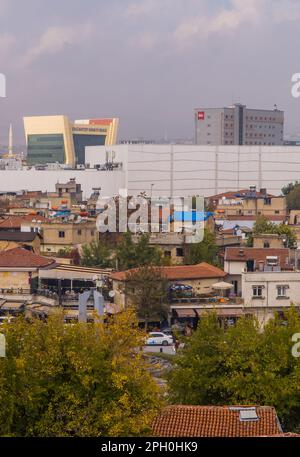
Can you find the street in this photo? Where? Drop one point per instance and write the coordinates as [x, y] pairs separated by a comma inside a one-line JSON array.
[[157, 348]]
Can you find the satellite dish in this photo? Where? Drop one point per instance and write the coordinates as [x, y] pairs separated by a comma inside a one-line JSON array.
[[112, 293]]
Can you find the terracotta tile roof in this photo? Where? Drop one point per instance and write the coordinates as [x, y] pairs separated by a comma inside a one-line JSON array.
[[22, 258], [238, 254], [15, 222], [201, 271], [242, 193], [6, 235], [214, 421]]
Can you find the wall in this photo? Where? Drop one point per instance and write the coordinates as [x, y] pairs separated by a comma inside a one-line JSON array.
[[14, 279], [205, 170], [270, 281]]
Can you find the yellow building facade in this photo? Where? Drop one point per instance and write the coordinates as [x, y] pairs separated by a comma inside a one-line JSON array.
[[52, 139]]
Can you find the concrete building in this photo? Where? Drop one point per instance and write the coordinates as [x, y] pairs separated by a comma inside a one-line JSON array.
[[58, 235], [240, 259], [239, 125], [270, 291], [53, 139], [247, 202]]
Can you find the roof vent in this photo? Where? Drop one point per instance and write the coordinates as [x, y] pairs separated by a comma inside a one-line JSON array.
[[248, 415]]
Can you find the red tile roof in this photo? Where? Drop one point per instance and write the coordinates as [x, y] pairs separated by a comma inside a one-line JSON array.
[[241, 254], [214, 421], [242, 193], [15, 222], [201, 271], [22, 258]]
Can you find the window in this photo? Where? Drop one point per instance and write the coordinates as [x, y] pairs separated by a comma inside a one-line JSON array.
[[281, 291], [79, 232], [267, 201], [92, 232], [61, 234], [266, 244], [179, 252], [257, 291], [167, 254]]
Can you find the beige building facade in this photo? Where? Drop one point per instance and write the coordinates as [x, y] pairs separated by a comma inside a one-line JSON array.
[[53, 139]]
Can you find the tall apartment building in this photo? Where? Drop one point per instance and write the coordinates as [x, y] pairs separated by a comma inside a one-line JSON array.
[[238, 125]]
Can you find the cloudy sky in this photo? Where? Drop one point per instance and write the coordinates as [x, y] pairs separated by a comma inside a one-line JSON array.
[[149, 62]]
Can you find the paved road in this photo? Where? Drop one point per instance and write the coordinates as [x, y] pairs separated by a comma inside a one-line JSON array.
[[156, 348]]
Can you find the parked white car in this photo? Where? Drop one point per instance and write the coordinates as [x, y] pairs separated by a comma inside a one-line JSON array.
[[159, 338]]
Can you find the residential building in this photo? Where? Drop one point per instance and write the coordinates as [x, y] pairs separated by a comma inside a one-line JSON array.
[[58, 234], [54, 139], [216, 422], [240, 259], [19, 270], [267, 292], [13, 223], [72, 188], [200, 278], [269, 240], [247, 202], [238, 125]]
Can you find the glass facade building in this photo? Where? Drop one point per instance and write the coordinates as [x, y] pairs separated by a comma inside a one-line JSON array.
[[81, 141], [47, 148]]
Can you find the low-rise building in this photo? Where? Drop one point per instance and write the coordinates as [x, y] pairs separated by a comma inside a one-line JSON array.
[[64, 234], [267, 292], [19, 270], [200, 278], [240, 259], [247, 202], [14, 223], [269, 240]]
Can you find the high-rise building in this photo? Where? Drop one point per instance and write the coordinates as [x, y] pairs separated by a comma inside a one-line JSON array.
[[238, 125], [55, 139]]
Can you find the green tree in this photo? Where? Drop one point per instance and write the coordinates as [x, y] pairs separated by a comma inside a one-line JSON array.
[[147, 288], [263, 226], [241, 365], [96, 254], [205, 251], [130, 254], [293, 198], [79, 380], [289, 188]]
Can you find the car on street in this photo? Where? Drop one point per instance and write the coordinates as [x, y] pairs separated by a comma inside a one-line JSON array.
[[159, 338]]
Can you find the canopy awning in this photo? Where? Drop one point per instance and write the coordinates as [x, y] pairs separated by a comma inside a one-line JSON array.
[[185, 312], [222, 285]]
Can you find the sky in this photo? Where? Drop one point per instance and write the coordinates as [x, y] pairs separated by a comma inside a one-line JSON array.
[[148, 62]]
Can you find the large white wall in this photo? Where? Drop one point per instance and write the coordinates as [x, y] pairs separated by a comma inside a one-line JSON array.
[[16, 180], [177, 170], [204, 170]]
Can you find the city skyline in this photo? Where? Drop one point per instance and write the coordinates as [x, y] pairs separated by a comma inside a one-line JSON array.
[[149, 63]]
